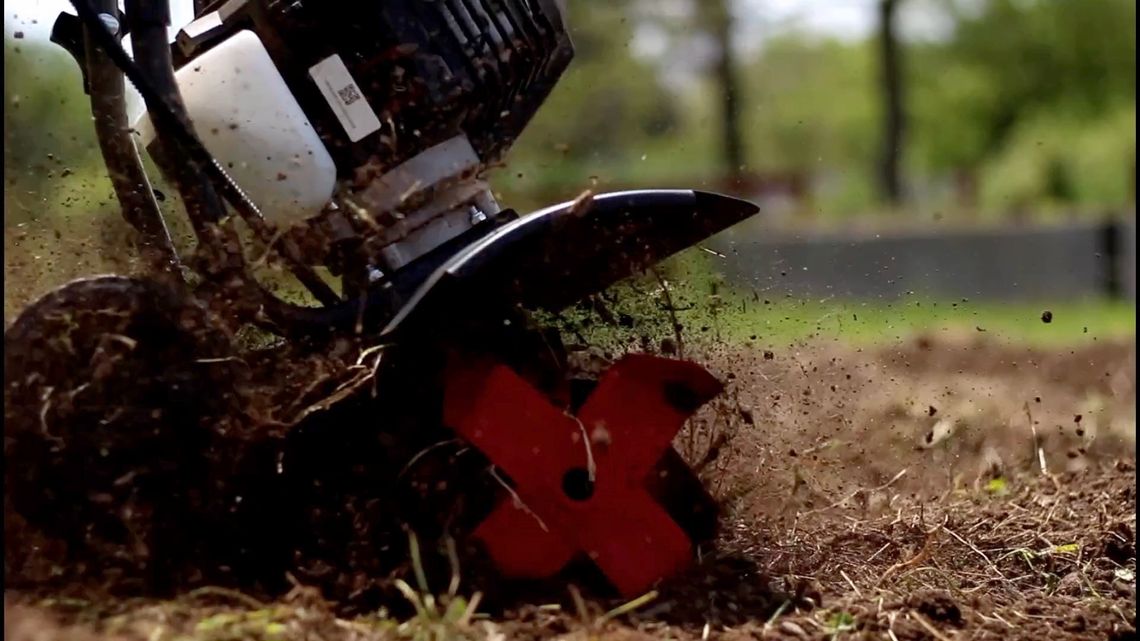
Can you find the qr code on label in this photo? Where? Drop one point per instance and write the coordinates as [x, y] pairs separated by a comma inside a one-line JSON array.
[[348, 95]]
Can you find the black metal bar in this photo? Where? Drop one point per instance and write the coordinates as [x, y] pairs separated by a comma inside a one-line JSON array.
[[124, 166]]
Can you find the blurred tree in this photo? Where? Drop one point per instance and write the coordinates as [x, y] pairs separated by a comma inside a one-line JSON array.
[[1021, 101], [701, 32], [716, 17], [810, 105], [894, 118], [608, 101], [1008, 60], [610, 120]]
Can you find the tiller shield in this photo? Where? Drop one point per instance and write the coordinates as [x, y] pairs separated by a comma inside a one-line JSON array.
[[580, 481]]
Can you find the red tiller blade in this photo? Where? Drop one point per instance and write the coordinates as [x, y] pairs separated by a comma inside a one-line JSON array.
[[580, 481]]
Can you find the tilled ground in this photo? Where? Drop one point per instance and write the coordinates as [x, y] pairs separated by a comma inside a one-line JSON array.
[[931, 490]]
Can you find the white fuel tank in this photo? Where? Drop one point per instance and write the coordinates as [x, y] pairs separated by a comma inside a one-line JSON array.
[[249, 120]]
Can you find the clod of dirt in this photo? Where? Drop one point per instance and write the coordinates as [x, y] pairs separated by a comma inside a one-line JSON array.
[[937, 605], [727, 590], [1120, 544]]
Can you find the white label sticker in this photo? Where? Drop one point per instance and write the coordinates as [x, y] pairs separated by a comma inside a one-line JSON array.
[[345, 97]]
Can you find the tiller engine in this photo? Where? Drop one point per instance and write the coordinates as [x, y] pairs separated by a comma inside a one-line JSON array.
[[352, 141]]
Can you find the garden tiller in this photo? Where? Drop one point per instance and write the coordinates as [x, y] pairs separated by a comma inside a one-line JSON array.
[[352, 141]]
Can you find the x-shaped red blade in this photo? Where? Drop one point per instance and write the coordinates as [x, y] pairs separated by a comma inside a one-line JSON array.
[[621, 432]]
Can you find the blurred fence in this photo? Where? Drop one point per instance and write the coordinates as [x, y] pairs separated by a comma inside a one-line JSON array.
[[1126, 259], [1017, 263]]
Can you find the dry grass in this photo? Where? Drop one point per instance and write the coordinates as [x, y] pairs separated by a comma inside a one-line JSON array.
[[843, 522]]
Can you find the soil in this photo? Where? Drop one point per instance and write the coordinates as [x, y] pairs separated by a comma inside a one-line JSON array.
[[931, 490]]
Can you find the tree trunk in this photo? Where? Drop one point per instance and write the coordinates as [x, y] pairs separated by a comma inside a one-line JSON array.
[[719, 20], [894, 122]]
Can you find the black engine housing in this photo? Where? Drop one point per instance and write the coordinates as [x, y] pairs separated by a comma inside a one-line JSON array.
[[430, 69]]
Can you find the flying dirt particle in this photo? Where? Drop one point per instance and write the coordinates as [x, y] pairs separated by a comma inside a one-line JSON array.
[[768, 355], [19, 35], [1077, 418], [980, 329], [1046, 316], [792, 453], [281, 176], [1036, 399], [668, 346], [752, 337], [931, 411]]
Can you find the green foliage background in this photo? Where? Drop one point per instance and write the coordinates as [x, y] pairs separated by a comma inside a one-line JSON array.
[[1035, 97]]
